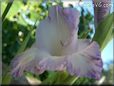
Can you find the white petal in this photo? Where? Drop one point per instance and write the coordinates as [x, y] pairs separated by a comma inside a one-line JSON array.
[[75, 45], [53, 32], [28, 61], [53, 63], [36, 61], [86, 63]]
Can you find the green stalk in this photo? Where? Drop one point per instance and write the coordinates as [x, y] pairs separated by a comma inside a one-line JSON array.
[[6, 10], [73, 81]]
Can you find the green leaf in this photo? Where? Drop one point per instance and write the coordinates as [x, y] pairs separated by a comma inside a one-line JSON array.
[[32, 80], [51, 78], [104, 31], [71, 80], [60, 77], [57, 77], [6, 76], [24, 44], [6, 10]]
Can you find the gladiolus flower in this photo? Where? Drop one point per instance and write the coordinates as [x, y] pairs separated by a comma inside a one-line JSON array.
[[58, 48]]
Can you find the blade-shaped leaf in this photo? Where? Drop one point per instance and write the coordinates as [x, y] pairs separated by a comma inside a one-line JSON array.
[[6, 76], [6, 10], [104, 31], [24, 44], [32, 80], [58, 77]]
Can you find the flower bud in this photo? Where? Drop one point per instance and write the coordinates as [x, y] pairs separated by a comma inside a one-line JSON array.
[[101, 9]]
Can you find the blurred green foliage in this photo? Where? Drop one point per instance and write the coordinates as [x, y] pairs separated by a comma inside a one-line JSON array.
[[109, 75], [85, 30], [18, 24]]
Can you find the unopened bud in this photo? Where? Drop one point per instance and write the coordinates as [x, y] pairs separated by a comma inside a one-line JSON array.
[[101, 9]]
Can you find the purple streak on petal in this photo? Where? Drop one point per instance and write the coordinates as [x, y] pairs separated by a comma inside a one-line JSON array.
[[16, 73], [77, 72], [38, 69], [72, 17], [53, 64], [27, 61], [86, 63], [52, 13], [69, 68]]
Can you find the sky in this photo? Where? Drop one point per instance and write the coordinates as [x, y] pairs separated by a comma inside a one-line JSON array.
[[107, 53]]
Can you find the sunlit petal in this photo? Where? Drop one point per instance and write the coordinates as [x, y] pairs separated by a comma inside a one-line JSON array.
[[28, 61], [86, 63], [53, 63], [57, 29], [36, 61]]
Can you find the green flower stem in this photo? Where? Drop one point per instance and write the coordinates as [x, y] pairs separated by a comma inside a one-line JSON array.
[[74, 80], [24, 44], [6, 10]]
